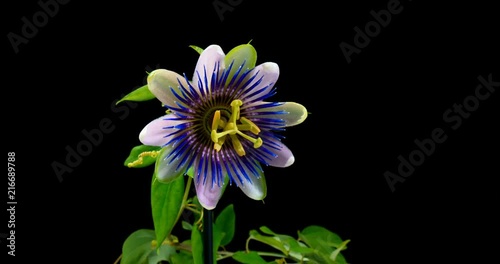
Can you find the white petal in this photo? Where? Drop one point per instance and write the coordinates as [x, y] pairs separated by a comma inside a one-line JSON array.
[[269, 72], [208, 194], [158, 132], [290, 112], [161, 82], [256, 189], [211, 59], [283, 155]]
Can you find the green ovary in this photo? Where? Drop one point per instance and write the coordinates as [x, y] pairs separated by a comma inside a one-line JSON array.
[[222, 128]]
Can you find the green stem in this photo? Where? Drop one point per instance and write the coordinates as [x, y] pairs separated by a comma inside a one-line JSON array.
[[227, 254], [271, 254], [208, 239], [184, 198]]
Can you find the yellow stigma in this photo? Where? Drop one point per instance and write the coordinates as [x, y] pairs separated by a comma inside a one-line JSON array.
[[232, 128]]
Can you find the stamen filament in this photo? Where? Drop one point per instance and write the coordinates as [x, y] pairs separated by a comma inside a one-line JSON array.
[[249, 138], [236, 110]]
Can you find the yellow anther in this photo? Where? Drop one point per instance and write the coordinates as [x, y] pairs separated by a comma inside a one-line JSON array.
[[217, 146], [237, 145], [215, 121], [249, 125]]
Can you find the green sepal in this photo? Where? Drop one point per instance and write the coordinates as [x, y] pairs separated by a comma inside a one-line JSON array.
[[173, 174], [141, 156], [138, 95], [244, 53]]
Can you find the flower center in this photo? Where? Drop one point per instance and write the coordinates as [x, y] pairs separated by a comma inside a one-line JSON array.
[[222, 128]]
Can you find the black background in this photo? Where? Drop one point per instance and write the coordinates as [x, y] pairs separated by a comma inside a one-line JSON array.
[[364, 114]]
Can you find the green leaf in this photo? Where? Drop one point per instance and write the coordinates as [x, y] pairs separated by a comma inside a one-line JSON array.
[[197, 214], [196, 48], [197, 246], [139, 248], [292, 246], [326, 244], [182, 258], [267, 231], [320, 237], [248, 258], [218, 235], [164, 253], [336, 253], [269, 240], [142, 156], [138, 95], [226, 221], [299, 248], [187, 226], [166, 205]]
